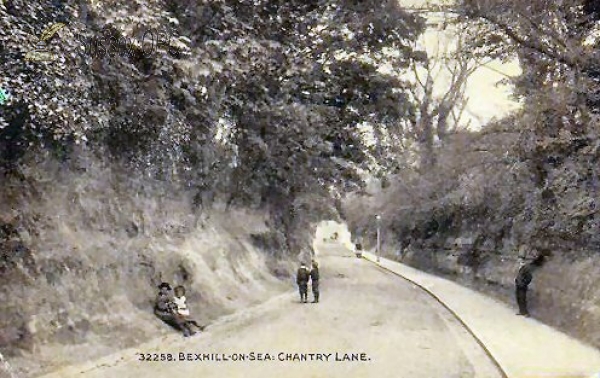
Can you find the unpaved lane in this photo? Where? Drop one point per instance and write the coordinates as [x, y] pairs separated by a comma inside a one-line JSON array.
[[400, 331]]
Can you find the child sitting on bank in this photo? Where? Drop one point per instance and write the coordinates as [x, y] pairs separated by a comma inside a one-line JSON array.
[[182, 310]]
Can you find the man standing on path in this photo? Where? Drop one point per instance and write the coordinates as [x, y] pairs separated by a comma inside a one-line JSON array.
[[522, 281], [302, 281], [314, 281]]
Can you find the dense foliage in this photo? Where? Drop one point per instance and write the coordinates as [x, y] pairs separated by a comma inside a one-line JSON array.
[[531, 178], [259, 102], [557, 45]]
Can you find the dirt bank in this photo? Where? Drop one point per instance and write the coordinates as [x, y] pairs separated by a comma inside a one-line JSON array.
[[82, 253]]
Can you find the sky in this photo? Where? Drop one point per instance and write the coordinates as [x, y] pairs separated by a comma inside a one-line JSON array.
[[487, 99]]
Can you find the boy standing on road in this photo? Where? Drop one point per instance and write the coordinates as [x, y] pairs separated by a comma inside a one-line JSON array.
[[302, 281], [314, 280]]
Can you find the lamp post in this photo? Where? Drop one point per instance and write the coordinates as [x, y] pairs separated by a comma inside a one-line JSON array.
[[378, 221]]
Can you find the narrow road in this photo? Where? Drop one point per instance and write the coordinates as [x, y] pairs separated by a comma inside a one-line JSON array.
[[369, 323]]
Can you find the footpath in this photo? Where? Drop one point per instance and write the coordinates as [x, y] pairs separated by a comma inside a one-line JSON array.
[[523, 347]]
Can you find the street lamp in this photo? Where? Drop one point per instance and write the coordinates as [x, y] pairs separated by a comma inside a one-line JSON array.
[[378, 219]]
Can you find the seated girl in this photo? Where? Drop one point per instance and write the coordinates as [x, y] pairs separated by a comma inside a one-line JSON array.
[[182, 310]]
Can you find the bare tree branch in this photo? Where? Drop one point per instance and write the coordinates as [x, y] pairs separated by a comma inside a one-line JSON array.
[[531, 43]]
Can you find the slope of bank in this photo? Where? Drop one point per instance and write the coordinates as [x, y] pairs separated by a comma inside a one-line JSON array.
[[82, 253]]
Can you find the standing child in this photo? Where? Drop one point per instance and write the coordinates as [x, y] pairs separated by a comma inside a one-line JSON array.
[[302, 280], [314, 279]]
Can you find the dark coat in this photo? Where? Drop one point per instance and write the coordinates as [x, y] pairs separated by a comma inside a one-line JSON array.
[[302, 276], [524, 277], [164, 305]]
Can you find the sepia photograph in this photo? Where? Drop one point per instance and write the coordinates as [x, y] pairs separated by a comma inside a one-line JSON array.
[[300, 188]]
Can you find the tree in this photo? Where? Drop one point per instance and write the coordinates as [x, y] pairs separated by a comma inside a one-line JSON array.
[[556, 43], [290, 82]]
